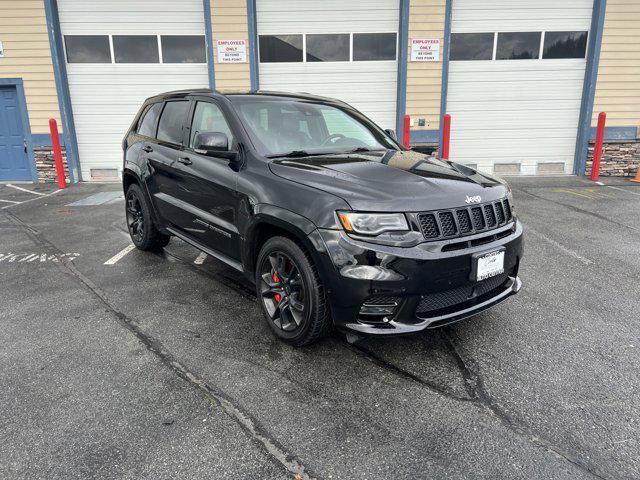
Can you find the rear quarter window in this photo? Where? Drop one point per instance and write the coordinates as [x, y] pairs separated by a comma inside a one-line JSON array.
[[147, 125]]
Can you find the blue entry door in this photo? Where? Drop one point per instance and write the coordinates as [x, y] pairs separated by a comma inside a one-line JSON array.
[[14, 162]]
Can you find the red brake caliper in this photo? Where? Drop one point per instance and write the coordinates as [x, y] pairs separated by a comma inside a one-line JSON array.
[[277, 296]]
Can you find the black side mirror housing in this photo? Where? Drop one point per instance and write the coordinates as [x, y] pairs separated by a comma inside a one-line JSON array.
[[214, 144], [391, 133]]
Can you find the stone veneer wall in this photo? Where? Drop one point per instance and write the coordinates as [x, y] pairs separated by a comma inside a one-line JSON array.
[[46, 165], [619, 158]]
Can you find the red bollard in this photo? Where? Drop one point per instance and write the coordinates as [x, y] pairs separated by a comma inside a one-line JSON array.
[[446, 137], [597, 149], [406, 131], [57, 153]]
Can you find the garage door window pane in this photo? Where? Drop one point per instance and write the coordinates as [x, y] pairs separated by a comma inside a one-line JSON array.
[[280, 48], [147, 126], [518, 46], [565, 45], [87, 48], [136, 48], [374, 46], [328, 48], [471, 46], [183, 49], [171, 122]]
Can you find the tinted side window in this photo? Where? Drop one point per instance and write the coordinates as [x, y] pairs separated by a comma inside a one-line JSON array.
[[280, 48], [565, 45], [518, 46], [172, 120], [147, 125], [209, 118], [471, 46]]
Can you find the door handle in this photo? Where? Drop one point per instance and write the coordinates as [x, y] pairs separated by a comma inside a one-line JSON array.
[[24, 144], [185, 160], [147, 149]]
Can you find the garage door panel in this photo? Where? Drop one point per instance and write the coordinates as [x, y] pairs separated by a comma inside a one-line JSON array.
[[516, 111], [106, 97], [521, 15], [369, 86]]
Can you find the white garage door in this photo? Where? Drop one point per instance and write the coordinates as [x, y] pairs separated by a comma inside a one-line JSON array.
[[516, 74], [345, 50], [120, 52]]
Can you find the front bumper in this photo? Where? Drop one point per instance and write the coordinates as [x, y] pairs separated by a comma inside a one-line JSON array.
[[431, 282]]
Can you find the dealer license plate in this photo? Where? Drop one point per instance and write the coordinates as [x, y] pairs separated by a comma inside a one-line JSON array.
[[489, 265]]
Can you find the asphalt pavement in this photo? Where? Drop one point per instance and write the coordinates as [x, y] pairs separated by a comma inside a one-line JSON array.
[[117, 363]]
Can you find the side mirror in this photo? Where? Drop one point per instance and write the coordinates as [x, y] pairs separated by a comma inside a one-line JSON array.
[[214, 144], [391, 133]]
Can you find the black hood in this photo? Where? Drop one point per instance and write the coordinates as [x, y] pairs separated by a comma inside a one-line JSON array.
[[399, 181]]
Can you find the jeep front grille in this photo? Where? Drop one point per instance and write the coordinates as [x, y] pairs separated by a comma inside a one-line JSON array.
[[459, 222]]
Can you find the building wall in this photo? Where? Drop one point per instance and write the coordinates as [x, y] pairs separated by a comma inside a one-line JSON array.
[[23, 32], [229, 22], [618, 89], [424, 79]]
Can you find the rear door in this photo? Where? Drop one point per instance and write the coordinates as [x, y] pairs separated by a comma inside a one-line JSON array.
[[206, 185], [163, 154]]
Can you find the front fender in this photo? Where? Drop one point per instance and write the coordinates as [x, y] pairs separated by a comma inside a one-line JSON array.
[[298, 226]]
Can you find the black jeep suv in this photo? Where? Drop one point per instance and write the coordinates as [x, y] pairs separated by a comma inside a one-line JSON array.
[[334, 222]]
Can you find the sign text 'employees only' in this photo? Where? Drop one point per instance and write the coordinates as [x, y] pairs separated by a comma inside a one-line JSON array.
[[232, 51], [425, 49]]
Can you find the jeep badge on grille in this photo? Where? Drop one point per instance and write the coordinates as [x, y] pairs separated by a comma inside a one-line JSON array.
[[476, 199]]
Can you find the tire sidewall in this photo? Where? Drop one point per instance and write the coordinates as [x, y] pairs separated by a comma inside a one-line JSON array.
[[310, 284], [147, 238]]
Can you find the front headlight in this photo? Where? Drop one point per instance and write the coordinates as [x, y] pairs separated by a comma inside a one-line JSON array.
[[373, 223]]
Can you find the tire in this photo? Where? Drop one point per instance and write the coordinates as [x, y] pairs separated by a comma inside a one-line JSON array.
[[142, 229], [282, 314]]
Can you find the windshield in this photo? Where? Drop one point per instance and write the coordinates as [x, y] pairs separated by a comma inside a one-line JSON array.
[[282, 127]]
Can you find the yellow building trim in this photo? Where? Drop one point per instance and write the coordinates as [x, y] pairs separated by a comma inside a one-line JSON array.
[[229, 22], [424, 79], [27, 55], [618, 87]]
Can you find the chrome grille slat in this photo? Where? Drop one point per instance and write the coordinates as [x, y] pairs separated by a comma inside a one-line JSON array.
[[464, 221]]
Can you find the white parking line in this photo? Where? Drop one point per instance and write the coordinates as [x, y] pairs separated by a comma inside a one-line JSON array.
[[25, 189], [560, 247], [31, 199], [8, 201], [623, 190], [200, 258], [113, 260]]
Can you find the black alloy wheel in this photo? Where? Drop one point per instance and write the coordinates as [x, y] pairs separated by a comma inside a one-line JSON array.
[[140, 223], [135, 217], [291, 293], [283, 291]]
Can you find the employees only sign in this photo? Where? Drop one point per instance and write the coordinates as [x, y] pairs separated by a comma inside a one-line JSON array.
[[232, 51], [425, 49]]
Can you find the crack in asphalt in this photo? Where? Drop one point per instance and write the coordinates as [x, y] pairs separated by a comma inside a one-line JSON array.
[[251, 426], [382, 363], [474, 384]]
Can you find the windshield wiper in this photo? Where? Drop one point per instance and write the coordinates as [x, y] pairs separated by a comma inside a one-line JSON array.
[[297, 154], [365, 149]]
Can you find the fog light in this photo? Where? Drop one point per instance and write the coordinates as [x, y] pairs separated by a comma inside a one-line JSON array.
[[377, 309], [381, 307]]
